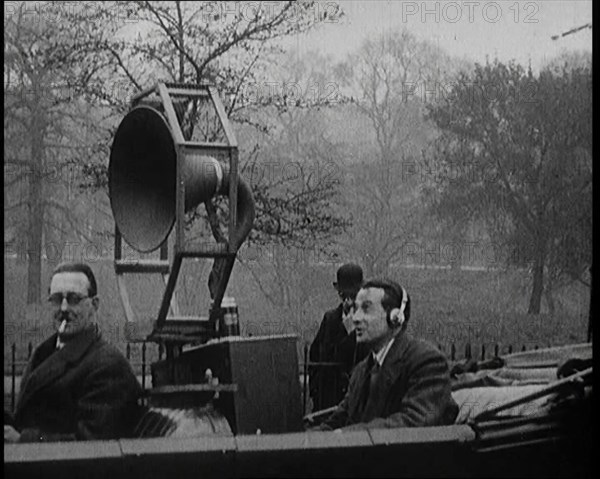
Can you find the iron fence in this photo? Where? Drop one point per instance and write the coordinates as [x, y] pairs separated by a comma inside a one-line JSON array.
[[14, 369]]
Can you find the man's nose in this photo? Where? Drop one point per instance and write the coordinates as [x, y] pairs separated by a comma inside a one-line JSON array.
[[357, 316], [64, 304]]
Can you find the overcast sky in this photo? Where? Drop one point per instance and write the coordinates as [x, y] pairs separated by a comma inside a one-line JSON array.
[[508, 29]]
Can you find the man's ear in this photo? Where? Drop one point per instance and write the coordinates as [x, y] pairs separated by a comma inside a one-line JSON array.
[[95, 302]]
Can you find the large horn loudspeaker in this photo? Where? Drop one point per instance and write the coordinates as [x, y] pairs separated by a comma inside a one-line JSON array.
[[142, 181]]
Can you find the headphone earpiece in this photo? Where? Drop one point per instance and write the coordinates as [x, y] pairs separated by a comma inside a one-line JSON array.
[[396, 317]]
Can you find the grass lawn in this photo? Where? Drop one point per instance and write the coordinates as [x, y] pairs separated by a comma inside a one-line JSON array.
[[448, 306]]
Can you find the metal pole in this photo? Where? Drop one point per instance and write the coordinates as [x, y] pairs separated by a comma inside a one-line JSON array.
[[144, 365], [580, 376], [305, 378], [589, 331], [13, 373]]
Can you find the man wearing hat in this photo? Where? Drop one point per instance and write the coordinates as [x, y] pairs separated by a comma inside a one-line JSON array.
[[335, 343]]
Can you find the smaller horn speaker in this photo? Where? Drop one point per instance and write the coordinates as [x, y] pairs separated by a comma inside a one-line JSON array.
[[142, 179]]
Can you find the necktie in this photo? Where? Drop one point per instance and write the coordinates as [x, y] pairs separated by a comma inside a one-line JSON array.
[[374, 374], [370, 380]]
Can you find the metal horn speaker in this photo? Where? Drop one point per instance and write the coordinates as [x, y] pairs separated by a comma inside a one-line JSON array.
[[142, 179]]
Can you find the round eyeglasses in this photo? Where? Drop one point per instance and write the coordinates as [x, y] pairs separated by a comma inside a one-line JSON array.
[[73, 299]]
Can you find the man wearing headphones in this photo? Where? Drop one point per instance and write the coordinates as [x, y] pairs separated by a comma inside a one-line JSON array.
[[403, 382]]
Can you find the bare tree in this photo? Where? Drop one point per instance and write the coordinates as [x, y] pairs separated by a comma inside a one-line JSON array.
[[43, 139], [100, 56], [187, 42], [386, 76]]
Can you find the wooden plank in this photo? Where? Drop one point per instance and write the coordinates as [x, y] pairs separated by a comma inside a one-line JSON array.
[[179, 457], [118, 244], [141, 266], [180, 202], [187, 319], [223, 116], [202, 84], [166, 301], [203, 144], [69, 452], [181, 338], [174, 310], [138, 96], [171, 115], [207, 250], [191, 92], [129, 315], [223, 280], [233, 199], [190, 388]]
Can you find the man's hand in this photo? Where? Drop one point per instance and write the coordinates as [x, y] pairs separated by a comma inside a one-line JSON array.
[[347, 313], [11, 435], [348, 323]]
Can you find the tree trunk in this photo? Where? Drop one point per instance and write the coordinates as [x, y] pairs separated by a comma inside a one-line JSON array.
[[550, 300], [538, 283], [591, 313], [36, 215]]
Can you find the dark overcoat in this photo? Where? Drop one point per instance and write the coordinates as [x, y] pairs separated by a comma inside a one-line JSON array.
[[412, 389], [87, 390], [332, 344]]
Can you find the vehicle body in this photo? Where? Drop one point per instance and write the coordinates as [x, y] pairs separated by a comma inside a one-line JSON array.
[[531, 439]]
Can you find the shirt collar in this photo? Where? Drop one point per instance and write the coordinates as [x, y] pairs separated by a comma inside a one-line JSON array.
[[382, 353]]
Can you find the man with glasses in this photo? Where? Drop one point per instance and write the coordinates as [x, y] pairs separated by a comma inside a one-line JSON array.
[[335, 343], [76, 386]]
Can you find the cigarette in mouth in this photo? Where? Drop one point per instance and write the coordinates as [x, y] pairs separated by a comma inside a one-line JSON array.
[[62, 327]]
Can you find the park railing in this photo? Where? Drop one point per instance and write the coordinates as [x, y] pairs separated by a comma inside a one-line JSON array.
[[142, 355]]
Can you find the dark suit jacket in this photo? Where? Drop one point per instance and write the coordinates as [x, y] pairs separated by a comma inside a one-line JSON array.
[[328, 384], [411, 390], [87, 390]]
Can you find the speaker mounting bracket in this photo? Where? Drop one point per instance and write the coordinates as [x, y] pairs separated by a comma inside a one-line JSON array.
[[178, 106]]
